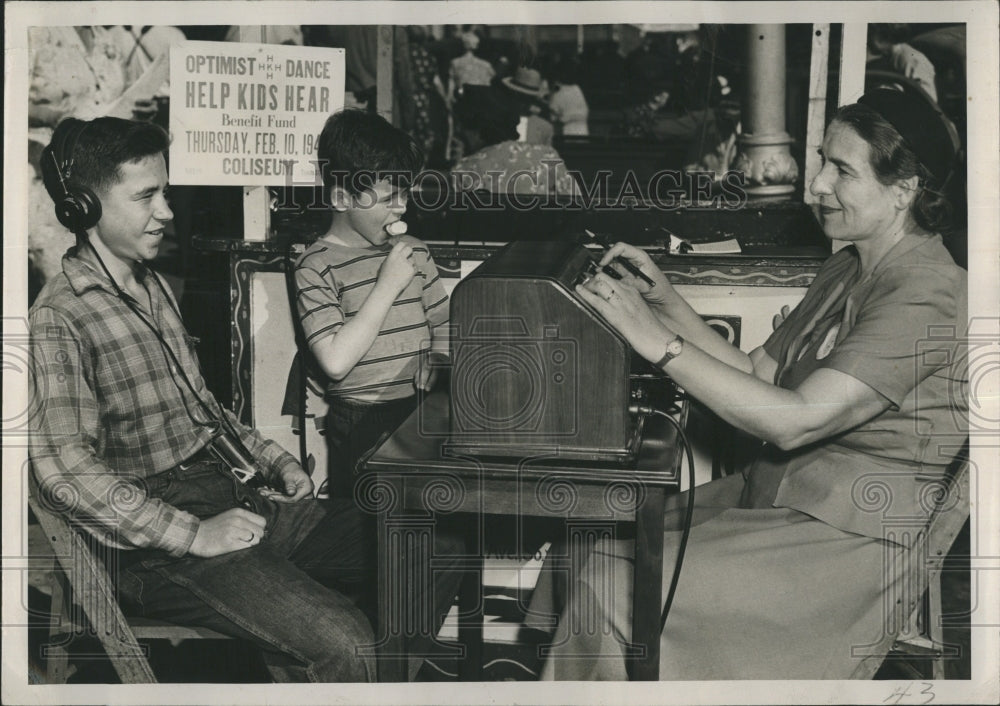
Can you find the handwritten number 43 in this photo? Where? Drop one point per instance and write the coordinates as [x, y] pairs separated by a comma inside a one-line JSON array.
[[901, 693]]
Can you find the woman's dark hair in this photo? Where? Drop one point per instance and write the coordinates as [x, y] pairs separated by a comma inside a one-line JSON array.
[[893, 160], [480, 108], [357, 149]]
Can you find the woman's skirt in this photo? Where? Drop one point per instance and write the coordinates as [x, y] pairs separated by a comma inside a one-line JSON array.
[[763, 594]]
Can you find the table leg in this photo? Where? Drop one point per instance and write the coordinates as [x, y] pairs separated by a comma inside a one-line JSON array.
[[648, 585], [390, 644], [470, 623]]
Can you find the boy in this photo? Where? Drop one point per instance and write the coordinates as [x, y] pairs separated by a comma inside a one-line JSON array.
[[370, 299], [126, 439]]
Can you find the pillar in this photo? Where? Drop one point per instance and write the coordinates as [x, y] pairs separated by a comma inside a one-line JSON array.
[[764, 145]]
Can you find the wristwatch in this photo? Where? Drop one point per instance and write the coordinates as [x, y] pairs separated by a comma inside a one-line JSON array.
[[674, 348]]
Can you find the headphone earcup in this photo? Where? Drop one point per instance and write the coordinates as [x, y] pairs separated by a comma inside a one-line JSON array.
[[79, 209]]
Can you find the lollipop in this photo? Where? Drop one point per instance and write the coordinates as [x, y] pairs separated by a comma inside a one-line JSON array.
[[396, 228]]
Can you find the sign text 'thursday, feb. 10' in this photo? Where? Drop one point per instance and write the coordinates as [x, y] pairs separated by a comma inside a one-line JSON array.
[[249, 114]]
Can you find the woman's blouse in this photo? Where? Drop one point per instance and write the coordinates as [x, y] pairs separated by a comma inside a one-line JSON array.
[[569, 108], [900, 330], [470, 70]]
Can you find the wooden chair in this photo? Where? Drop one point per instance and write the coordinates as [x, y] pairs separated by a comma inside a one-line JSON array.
[[914, 625], [84, 603]]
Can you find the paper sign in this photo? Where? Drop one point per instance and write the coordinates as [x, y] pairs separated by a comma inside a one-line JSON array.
[[249, 114]]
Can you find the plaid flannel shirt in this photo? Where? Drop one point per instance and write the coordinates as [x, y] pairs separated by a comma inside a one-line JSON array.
[[109, 409]]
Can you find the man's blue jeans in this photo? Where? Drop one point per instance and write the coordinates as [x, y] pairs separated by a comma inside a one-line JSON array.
[[288, 594]]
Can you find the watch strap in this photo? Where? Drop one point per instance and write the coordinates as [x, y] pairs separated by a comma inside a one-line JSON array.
[[674, 349]]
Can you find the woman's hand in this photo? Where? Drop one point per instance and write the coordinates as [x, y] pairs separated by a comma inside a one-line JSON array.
[[625, 309], [661, 294]]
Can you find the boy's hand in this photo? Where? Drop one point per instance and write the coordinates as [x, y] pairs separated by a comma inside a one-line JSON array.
[[398, 268], [425, 377], [295, 484], [427, 370]]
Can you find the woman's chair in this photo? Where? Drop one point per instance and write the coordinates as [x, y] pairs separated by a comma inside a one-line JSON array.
[[914, 625]]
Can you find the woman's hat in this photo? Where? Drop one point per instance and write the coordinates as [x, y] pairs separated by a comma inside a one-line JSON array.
[[922, 125], [526, 81]]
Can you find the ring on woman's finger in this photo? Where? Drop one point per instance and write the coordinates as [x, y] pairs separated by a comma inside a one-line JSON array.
[[252, 535]]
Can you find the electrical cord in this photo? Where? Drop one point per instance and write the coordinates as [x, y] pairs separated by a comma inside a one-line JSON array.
[[303, 351], [688, 515], [217, 419]]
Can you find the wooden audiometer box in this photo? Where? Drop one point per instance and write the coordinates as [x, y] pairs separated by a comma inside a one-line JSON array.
[[535, 370]]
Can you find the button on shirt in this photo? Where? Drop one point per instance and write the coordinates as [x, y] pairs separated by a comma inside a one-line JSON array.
[[108, 411]]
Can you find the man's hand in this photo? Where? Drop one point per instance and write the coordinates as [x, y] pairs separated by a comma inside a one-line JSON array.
[[296, 483], [226, 532], [398, 268]]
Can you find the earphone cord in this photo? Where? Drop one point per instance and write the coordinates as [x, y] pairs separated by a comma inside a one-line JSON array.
[[217, 419]]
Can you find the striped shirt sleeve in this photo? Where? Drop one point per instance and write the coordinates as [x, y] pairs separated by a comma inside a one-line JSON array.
[[434, 297], [317, 302]]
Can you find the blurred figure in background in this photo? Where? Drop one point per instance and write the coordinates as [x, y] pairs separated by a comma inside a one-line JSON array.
[[887, 51], [429, 127], [270, 34], [497, 161], [638, 119], [360, 44], [525, 92], [468, 69], [567, 104]]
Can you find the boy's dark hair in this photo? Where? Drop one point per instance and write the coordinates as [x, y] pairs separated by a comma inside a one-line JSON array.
[[357, 149], [94, 159]]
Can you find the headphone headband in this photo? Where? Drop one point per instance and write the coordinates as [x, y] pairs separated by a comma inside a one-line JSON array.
[[77, 207]]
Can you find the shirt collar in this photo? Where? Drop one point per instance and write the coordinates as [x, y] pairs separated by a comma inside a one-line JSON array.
[[906, 244], [82, 276]]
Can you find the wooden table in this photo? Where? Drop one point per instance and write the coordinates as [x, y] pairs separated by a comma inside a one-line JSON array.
[[413, 475]]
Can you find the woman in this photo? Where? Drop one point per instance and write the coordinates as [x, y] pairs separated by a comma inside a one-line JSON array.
[[525, 92], [428, 97], [468, 69], [496, 160], [860, 398], [567, 104]]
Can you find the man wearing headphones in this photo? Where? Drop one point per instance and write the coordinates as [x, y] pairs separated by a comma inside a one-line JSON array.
[[129, 443]]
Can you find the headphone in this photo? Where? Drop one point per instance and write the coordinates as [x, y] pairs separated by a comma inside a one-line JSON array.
[[77, 206]]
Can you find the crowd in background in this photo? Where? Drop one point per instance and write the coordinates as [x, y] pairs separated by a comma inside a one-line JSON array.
[[475, 99]]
